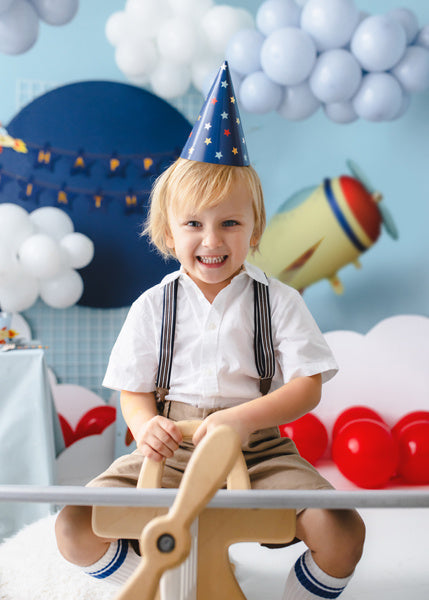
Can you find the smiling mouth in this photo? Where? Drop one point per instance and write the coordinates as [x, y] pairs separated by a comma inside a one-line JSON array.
[[212, 260]]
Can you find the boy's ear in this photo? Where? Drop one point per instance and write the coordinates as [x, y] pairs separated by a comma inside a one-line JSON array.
[[169, 241]]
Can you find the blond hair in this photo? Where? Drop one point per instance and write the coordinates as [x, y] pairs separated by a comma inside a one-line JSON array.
[[197, 186]]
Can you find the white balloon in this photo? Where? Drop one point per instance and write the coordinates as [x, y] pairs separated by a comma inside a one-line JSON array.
[[378, 43], [62, 291], [51, 220], [56, 13], [288, 56], [170, 80], [379, 97], [408, 20], [177, 40], [8, 262], [340, 112], [192, 9], [136, 58], [19, 28], [79, 249], [275, 14], [298, 102], [203, 71], [40, 256], [15, 225], [221, 22], [330, 23], [147, 16], [412, 71], [243, 52], [259, 94], [116, 27], [20, 292], [336, 76], [423, 37]]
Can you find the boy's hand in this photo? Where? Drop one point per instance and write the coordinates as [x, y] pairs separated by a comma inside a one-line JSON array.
[[227, 416], [158, 438]]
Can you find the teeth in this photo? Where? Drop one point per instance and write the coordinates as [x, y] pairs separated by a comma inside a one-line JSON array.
[[211, 260]]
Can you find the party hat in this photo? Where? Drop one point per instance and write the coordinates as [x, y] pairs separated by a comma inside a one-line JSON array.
[[217, 136]]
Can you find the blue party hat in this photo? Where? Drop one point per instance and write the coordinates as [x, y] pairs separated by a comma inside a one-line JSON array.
[[217, 136]]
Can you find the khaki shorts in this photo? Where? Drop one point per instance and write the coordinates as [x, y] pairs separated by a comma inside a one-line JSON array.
[[273, 462]]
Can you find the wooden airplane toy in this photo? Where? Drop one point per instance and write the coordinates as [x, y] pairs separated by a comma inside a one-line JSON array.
[[166, 539]]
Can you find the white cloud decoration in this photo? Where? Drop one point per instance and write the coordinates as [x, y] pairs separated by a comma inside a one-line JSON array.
[[19, 21], [310, 54], [39, 255], [169, 45]]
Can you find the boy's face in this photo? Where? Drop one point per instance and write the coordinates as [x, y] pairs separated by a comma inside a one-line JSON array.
[[213, 243]]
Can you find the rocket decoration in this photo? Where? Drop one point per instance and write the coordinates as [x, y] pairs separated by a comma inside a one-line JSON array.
[[217, 136]]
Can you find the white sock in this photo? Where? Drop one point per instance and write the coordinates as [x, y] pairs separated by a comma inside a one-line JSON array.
[[307, 581], [116, 566]]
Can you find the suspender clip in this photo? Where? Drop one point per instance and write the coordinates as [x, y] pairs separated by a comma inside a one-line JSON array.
[[160, 394]]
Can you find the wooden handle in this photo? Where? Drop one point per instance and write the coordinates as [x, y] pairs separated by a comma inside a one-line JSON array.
[[151, 471], [166, 540]]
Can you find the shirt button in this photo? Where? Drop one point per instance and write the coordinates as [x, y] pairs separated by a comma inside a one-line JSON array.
[[212, 326]]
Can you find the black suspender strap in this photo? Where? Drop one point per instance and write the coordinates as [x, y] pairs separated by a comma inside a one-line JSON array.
[[263, 340], [168, 328]]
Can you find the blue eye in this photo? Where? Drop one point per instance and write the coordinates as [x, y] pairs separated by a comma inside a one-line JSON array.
[[230, 223], [193, 224]]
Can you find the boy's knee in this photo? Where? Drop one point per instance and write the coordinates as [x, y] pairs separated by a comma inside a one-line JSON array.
[[72, 531]]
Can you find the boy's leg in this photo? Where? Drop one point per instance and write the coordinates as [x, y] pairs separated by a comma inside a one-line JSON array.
[[102, 558], [335, 541]]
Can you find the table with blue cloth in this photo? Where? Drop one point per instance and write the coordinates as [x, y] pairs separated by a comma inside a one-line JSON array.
[[30, 435]]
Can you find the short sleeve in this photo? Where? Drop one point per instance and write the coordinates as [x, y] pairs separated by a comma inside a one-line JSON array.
[[300, 347], [133, 361]]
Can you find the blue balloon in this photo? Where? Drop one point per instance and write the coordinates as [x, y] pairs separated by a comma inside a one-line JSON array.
[[378, 43], [288, 55], [258, 94], [340, 112], [243, 52], [275, 14], [412, 71], [336, 76], [298, 102], [379, 97]]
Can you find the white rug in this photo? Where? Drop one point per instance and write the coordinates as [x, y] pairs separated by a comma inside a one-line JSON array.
[[31, 568]]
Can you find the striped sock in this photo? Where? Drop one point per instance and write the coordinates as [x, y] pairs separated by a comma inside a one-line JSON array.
[[307, 581], [116, 566]]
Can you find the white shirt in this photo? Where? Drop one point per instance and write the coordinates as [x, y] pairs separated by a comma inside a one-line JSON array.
[[213, 360]]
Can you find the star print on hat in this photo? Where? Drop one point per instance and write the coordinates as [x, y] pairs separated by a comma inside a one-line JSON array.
[[217, 136]]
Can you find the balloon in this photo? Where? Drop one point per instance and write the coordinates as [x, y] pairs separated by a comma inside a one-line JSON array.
[[423, 37], [329, 22], [79, 250], [15, 225], [298, 102], [203, 71], [221, 22], [193, 9], [340, 112], [379, 97], [19, 28], [310, 436], [417, 415], [288, 56], [336, 76], [353, 414], [146, 16], [5, 5], [40, 256], [412, 71], [62, 291], [169, 80], [56, 13], [378, 43], [413, 442], [177, 40], [116, 27], [8, 262], [20, 292], [244, 50], [275, 14], [366, 453], [258, 94], [95, 421], [53, 221], [408, 20], [136, 58], [406, 101]]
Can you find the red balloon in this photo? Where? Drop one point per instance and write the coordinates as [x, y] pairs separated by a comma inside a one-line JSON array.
[[412, 417], [366, 452], [310, 436], [413, 443], [95, 421], [352, 414]]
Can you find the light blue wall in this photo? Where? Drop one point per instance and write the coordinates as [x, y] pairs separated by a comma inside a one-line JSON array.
[[289, 156]]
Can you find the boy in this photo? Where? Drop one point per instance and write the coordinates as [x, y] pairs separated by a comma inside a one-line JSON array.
[[207, 210]]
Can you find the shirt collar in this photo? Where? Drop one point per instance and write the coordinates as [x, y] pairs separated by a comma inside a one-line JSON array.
[[248, 269]]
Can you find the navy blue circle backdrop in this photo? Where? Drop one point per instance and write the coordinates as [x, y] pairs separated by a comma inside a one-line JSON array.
[[94, 150]]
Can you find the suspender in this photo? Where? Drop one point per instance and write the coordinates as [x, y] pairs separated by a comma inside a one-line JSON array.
[[263, 341]]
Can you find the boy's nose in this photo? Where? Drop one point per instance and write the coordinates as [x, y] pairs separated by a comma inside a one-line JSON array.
[[212, 239]]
